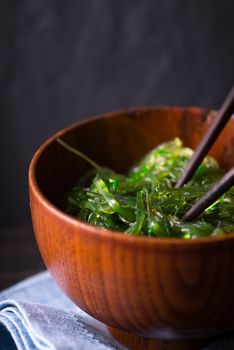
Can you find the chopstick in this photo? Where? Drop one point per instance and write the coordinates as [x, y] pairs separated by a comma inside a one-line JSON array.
[[219, 188], [209, 138]]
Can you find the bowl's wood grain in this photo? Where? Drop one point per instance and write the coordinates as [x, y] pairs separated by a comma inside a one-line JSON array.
[[168, 288]]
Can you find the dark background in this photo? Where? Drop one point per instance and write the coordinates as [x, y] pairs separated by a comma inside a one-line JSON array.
[[62, 61]]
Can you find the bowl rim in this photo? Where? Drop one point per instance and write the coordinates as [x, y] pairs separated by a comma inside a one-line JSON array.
[[118, 235]]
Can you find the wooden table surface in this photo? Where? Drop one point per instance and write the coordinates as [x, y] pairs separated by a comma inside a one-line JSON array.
[[19, 256]]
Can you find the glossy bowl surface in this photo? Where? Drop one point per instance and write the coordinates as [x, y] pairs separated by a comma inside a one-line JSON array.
[[158, 288]]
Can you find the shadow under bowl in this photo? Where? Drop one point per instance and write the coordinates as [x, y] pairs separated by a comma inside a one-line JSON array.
[[157, 288]]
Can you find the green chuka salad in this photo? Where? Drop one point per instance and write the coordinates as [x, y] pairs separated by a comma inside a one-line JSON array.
[[144, 202]]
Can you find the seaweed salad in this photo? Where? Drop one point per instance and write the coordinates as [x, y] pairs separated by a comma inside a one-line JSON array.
[[144, 202]]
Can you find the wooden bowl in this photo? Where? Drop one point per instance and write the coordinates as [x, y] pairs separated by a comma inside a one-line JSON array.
[[158, 288]]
